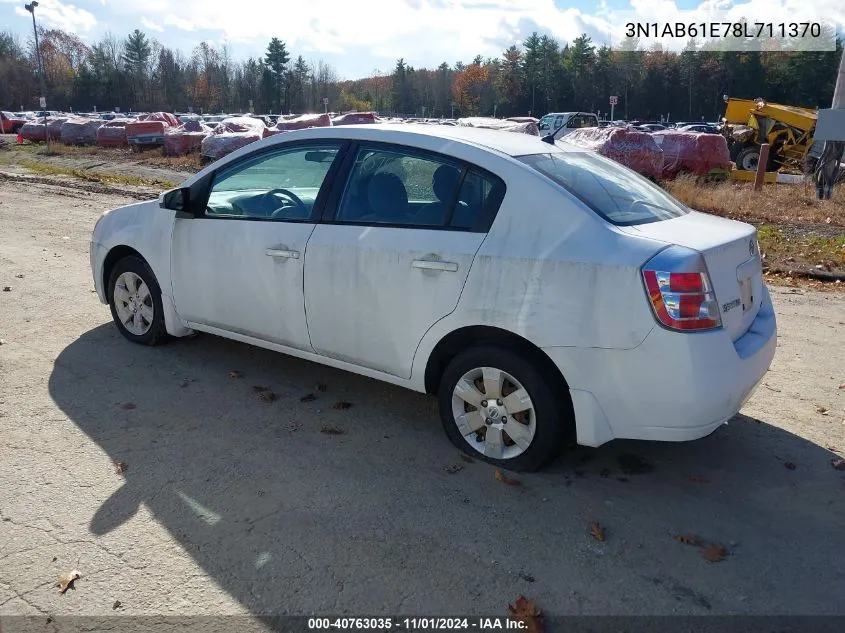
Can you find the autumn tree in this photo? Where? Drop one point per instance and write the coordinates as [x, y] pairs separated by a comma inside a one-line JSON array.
[[467, 88]]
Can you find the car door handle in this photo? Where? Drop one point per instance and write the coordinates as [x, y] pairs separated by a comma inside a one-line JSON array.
[[429, 264], [278, 252]]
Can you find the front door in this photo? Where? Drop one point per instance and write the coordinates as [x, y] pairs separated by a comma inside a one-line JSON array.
[[394, 257], [239, 267]]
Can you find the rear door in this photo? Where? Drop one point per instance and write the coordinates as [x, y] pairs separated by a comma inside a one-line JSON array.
[[393, 253]]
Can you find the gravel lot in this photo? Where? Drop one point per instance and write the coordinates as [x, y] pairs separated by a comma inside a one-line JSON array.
[[233, 505]]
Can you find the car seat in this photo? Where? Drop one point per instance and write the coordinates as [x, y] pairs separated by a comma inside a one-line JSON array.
[[388, 199]]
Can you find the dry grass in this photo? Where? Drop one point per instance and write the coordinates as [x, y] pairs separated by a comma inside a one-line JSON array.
[[154, 156], [92, 176], [777, 204]]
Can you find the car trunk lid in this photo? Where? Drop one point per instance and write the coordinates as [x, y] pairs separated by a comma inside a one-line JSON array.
[[732, 256]]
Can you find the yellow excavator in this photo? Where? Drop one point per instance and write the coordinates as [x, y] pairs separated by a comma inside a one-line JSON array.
[[748, 123]]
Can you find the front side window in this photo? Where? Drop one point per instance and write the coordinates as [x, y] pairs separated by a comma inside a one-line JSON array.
[[546, 122], [281, 185], [404, 188], [618, 194]]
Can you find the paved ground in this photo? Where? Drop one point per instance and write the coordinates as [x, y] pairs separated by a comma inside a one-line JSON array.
[[234, 505]]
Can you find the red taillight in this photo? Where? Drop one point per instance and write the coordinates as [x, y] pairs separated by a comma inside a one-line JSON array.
[[682, 300], [686, 282]]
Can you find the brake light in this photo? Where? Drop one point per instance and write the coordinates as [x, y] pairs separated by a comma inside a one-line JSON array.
[[680, 291]]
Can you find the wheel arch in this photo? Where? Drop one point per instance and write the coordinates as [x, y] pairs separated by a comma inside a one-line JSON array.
[[112, 257], [463, 338]]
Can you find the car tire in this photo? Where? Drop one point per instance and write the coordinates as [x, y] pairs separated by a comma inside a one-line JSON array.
[[548, 422], [748, 159], [135, 301]]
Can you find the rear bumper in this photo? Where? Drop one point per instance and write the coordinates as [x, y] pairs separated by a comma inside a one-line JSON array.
[[673, 387]]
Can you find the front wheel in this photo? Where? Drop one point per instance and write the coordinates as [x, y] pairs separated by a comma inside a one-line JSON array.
[[496, 405], [135, 301], [748, 159]]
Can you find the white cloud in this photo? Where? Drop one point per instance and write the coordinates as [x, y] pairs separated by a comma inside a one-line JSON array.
[[58, 14], [427, 32], [153, 26], [424, 32]]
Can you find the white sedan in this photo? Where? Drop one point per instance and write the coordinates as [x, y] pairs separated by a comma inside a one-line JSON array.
[[540, 291]]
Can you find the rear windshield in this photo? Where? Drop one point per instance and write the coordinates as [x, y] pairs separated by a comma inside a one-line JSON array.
[[618, 194]]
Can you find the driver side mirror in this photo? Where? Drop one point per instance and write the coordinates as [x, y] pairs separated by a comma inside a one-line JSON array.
[[175, 199]]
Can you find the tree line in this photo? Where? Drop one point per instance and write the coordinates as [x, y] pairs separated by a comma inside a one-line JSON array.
[[138, 73]]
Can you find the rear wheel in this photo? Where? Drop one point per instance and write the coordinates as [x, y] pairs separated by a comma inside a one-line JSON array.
[[135, 301], [497, 406]]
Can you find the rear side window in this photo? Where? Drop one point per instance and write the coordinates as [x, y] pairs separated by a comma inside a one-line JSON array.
[[411, 188], [618, 194]]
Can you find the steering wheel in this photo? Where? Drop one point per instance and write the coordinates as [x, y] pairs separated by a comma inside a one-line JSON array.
[[290, 195]]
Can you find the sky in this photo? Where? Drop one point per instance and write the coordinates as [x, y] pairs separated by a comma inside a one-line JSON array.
[[359, 37]]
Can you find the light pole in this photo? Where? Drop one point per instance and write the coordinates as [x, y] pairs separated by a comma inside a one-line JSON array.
[[43, 102]]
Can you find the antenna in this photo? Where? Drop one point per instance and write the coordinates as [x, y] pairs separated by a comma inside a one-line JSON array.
[[550, 138]]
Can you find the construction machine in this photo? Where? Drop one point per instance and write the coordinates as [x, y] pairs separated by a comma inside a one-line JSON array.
[[748, 123]]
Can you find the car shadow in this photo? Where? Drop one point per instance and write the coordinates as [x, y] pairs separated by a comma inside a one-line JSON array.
[[300, 504]]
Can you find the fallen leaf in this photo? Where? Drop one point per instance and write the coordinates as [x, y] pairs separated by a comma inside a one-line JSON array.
[[128, 405], [308, 398], [234, 373], [266, 395], [332, 430], [500, 476], [19, 276], [833, 449], [699, 479], [838, 464], [842, 386], [117, 604], [467, 458], [66, 580], [597, 531], [789, 465], [340, 404], [120, 467], [821, 409], [454, 468], [688, 539], [525, 610], [7, 289], [321, 387], [2, 341], [526, 577], [714, 553]]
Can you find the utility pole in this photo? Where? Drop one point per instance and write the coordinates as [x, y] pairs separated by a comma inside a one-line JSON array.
[[43, 101], [827, 169]]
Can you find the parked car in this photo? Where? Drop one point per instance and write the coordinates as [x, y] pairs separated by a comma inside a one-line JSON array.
[[569, 120], [699, 127], [650, 127], [10, 123], [537, 289]]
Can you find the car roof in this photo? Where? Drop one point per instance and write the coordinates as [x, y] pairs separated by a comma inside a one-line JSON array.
[[508, 143]]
